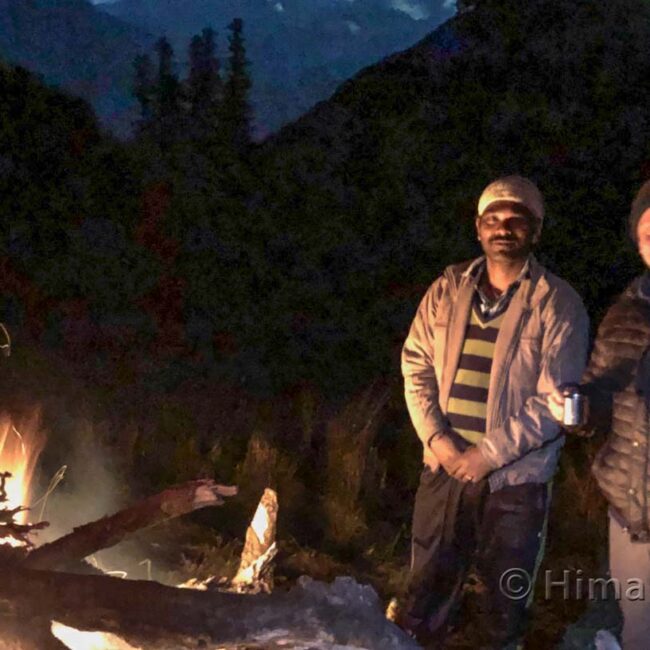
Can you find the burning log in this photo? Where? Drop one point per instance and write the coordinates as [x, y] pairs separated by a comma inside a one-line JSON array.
[[11, 532], [18, 454], [104, 533], [44, 609], [151, 616]]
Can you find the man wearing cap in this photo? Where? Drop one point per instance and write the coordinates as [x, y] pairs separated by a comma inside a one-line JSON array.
[[617, 382], [490, 339]]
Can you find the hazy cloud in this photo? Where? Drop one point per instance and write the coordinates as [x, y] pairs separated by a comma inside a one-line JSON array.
[[352, 26], [413, 8]]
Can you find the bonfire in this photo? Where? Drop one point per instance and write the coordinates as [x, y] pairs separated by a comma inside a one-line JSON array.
[[19, 451], [47, 598], [51, 598]]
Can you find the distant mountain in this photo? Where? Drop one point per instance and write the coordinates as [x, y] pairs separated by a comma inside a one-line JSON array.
[[300, 50], [77, 47]]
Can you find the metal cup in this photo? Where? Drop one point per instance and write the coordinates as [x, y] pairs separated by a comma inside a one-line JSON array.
[[574, 405]]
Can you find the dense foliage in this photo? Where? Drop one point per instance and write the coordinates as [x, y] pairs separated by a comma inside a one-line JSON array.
[[387, 172]]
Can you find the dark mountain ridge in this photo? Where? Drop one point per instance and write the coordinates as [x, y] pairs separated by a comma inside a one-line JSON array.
[[75, 46]]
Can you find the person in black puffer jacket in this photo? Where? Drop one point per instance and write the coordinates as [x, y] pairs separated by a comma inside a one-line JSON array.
[[617, 383]]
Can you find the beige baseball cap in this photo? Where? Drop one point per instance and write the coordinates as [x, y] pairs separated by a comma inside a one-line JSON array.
[[515, 189]]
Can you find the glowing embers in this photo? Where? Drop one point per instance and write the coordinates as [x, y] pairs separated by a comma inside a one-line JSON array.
[[79, 640], [20, 447]]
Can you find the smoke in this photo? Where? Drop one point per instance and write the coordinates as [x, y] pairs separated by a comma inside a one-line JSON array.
[[89, 488]]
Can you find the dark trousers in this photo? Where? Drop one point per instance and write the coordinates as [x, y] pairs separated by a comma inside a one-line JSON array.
[[455, 523]]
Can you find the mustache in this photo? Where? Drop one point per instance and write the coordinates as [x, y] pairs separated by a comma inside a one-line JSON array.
[[501, 238]]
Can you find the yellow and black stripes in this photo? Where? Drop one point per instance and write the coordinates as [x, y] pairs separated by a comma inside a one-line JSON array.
[[467, 404]]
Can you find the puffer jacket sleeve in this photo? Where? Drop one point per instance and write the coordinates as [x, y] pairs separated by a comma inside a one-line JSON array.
[[563, 359], [610, 368], [420, 383]]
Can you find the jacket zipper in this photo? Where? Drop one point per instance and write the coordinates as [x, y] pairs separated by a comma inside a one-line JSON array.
[[506, 365], [452, 280]]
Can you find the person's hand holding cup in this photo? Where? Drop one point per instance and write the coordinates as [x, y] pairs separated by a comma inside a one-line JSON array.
[[568, 406]]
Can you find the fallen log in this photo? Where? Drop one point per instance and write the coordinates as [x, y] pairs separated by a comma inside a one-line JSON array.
[[104, 533], [152, 616]]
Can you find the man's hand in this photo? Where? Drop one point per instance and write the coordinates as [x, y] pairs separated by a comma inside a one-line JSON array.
[[555, 402], [471, 466], [449, 448]]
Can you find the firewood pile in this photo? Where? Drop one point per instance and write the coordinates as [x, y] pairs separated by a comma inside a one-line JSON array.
[[51, 598]]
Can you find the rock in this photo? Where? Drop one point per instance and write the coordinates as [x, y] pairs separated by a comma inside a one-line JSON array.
[[343, 615], [606, 641]]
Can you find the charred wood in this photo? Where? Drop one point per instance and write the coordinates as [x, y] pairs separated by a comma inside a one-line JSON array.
[[255, 573], [104, 533]]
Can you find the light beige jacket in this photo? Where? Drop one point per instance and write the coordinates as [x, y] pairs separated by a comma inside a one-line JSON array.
[[542, 343]]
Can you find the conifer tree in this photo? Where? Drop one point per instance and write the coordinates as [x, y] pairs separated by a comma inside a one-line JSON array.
[[167, 113], [144, 88], [204, 84], [236, 108]]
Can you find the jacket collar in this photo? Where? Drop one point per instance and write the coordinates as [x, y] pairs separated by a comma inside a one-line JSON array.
[[640, 287], [533, 288]]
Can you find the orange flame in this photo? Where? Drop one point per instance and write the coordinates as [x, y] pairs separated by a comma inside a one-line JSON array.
[[20, 447], [84, 640]]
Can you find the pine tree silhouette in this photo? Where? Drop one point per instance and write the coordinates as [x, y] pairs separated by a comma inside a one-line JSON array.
[[144, 89], [236, 107], [204, 85], [167, 111]]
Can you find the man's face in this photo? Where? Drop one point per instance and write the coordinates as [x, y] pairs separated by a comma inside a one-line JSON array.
[[643, 237], [506, 231]]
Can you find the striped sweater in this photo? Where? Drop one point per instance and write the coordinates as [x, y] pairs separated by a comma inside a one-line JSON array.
[[466, 409]]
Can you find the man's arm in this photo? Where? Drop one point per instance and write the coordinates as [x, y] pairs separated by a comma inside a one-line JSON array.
[[606, 374], [563, 358], [421, 384]]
